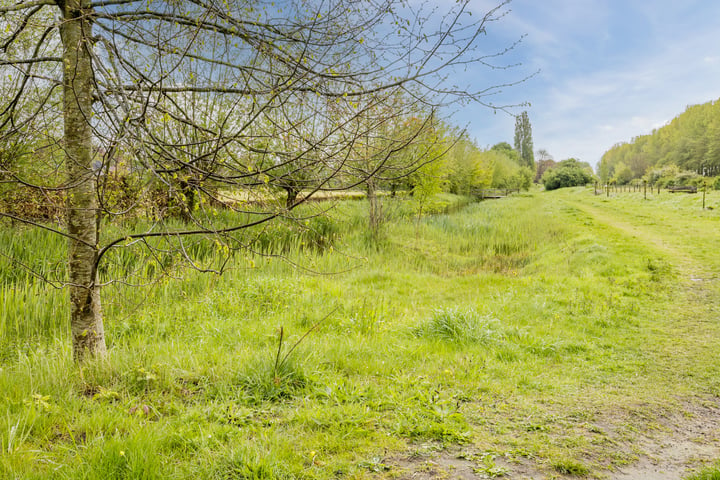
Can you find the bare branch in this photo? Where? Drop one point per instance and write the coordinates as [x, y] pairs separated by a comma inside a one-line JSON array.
[[43, 227], [25, 61], [25, 5]]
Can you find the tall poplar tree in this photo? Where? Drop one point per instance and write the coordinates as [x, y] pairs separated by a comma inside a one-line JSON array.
[[524, 141]]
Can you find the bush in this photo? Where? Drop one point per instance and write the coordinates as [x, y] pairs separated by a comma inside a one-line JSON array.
[[33, 204], [689, 178], [566, 176], [460, 326], [671, 176]]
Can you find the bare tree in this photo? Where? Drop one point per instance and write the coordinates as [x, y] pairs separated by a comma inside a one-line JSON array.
[[382, 155], [544, 163], [187, 103]]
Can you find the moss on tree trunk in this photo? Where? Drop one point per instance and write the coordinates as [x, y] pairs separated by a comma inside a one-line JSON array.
[[82, 213]]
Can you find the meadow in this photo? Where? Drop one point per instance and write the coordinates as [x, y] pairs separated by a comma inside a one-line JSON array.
[[545, 335]]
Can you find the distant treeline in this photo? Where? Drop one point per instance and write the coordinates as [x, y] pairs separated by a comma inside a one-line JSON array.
[[688, 146]]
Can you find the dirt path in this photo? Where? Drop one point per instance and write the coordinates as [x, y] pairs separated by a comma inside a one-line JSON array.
[[680, 441], [685, 441]]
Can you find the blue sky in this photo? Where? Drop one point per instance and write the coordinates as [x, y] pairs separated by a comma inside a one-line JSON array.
[[608, 70]]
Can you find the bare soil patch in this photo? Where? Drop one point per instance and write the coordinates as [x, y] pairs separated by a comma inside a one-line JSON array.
[[673, 447], [687, 441]]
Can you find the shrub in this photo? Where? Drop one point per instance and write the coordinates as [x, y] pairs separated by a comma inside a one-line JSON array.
[[460, 326], [566, 176], [670, 176], [34, 204]]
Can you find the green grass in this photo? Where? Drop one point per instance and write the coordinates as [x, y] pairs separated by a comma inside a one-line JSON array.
[[712, 473], [513, 326]]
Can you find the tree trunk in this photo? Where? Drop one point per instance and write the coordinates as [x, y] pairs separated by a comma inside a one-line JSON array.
[[189, 200], [375, 214], [292, 194], [86, 323]]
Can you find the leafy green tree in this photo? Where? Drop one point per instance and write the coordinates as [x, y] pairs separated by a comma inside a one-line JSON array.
[[431, 177], [574, 162], [661, 176], [524, 178], [506, 149], [689, 141], [568, 173], [712, 155], [505, 170], [671, 175], [468, 167], [388, 153], [622, 174], [605, 169], [524, 141]]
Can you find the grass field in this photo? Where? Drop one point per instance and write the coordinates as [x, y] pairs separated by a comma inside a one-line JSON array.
[[547, 335]]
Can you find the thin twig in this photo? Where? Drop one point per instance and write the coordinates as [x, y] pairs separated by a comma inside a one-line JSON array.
[[312, 329]]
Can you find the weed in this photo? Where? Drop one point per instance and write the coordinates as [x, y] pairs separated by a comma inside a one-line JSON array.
[[282, 360], [141, 380], [284, 378], [374, 465], [488, 468], [658, 268], [568, 466], [460, 326], [710, 473], [436, 417], [368, 318]]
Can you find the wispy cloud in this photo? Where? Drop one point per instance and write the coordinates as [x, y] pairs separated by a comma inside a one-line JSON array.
[[610, 70]]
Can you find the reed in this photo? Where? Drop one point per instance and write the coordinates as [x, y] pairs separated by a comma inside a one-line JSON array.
[[504, 329]]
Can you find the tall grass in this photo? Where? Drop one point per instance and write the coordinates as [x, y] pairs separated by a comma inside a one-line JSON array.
[[508, 328], [460, 326], [33, 267], [32, 312], [503, 241], [30, 253]]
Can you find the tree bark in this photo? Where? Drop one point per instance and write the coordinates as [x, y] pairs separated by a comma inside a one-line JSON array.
[[86, 323], [292, 194], [375, 212]]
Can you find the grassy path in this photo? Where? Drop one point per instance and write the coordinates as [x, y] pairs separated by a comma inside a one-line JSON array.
[[645, 406], [695, 292], [683, 236], [658, 238], [685, 240], [688, 335]]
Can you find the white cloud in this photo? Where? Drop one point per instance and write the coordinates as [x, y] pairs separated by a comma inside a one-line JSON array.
[[610, 70], [584, 114]]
